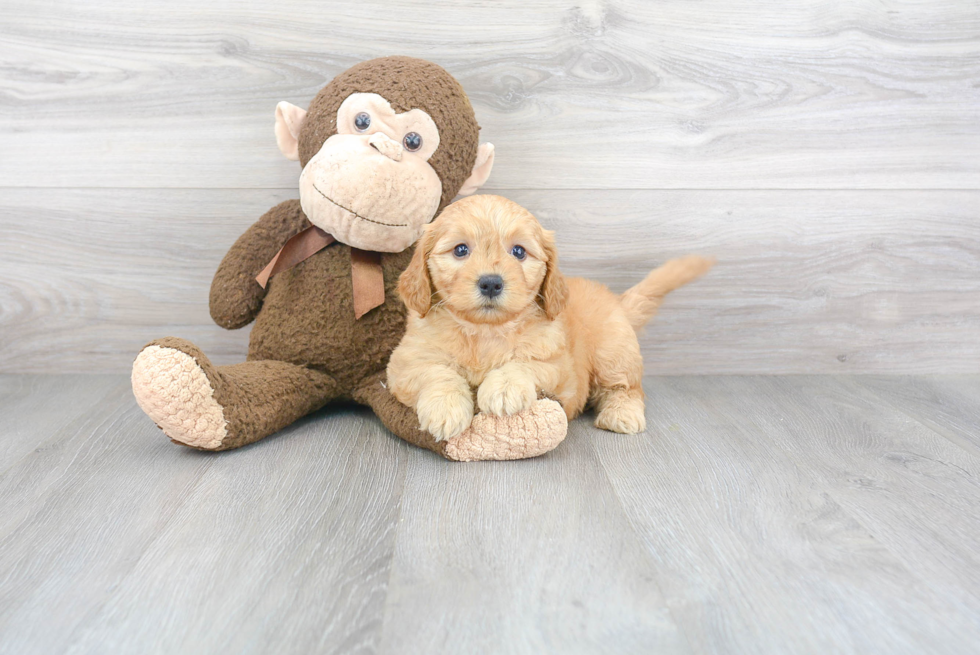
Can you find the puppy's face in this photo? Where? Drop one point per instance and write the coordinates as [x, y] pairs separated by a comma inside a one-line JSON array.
[[487, 260]]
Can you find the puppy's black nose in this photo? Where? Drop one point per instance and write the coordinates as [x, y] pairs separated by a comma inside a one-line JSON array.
[[490, 285]]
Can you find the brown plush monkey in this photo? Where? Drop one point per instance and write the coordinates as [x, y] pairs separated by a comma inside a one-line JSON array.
[[384, 147]]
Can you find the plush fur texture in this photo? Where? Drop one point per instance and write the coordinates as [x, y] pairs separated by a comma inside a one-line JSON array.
[[175, 391], [306, 348], [365, 187], [571, 338], [407, 84]]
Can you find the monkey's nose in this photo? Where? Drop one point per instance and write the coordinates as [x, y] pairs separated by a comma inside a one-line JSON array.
[[490, 285], [386, 146]]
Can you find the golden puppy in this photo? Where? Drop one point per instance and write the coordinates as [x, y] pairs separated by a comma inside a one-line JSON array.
[[489, 309]]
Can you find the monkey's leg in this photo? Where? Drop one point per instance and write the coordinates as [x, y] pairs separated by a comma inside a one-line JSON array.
[[208, 407], [535, 431]]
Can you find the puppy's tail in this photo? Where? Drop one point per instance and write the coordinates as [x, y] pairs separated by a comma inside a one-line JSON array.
[[642, 301]]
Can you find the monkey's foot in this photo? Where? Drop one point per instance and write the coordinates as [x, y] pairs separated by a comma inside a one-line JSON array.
[[174, 390], [532, 432]]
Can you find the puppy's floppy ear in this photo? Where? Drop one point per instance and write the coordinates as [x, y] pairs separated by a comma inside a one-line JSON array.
[[415, 285], [554, 293]]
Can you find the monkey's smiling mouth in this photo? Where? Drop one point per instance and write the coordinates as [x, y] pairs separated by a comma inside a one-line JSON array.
[[354, 213]]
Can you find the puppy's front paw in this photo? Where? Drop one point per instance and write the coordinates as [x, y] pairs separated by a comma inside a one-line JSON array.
[[445, 415], [503, 394]]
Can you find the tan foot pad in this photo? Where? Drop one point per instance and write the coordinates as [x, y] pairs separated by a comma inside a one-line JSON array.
[[176, 394], [535, 431]]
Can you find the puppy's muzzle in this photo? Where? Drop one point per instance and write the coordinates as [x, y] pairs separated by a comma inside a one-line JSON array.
[[490, 286]]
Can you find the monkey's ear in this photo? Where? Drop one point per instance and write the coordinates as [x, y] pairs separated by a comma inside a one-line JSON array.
[[289, 118], [481, 170]]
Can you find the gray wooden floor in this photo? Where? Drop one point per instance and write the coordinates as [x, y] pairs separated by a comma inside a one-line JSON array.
[[811, 514]]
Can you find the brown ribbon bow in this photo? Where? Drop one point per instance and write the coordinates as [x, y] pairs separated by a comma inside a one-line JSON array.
[[366, 274]]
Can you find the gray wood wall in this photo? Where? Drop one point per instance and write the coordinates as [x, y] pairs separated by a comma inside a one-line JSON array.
[[828, 153]]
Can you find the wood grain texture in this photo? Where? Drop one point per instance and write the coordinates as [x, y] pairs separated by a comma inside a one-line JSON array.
[[916, 492], [25, 401], [746, 538], [807, 282], [112, 270], [949, 405], [610, 94], [285, 546], [513, 557], [115, 539], [773, 515], [76, 516]]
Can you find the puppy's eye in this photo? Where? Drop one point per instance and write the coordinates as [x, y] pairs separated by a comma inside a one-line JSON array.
[[519, 252], [362, 121], [412, 141], [462, 250]]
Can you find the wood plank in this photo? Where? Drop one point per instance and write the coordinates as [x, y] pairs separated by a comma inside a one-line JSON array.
[[613, 94], [917, 493], [753, 552], [807, 282], [112, 270], [75, 517], [33, 407], [143, 546], [949, 405], [30, 481], [533, 556], [771, 515]]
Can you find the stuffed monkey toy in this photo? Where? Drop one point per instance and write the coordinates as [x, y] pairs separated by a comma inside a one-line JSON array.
[[384, 147]]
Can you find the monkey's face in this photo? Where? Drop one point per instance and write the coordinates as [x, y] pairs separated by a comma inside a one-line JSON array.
[[371, 185], [384, 146]]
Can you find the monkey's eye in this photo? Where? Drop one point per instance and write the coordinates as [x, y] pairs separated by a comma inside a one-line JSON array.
[[519, 252], [412, 141], [460, 251], [362, 121]]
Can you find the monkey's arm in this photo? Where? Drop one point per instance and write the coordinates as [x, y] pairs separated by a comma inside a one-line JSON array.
[[235, 295]]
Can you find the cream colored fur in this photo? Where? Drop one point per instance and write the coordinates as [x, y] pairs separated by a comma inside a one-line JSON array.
[[176, 394], [642, 301], [481, 170], [572, 338], [289, 118]]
